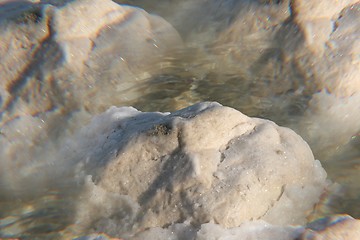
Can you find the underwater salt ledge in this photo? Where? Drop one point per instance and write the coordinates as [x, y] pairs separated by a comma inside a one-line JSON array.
[[205, 163]]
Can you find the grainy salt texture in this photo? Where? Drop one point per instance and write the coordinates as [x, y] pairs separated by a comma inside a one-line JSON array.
[[59, 57], [55, 61], [202, 163]]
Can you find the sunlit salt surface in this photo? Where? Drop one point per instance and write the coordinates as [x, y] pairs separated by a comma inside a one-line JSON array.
[[203, 70]]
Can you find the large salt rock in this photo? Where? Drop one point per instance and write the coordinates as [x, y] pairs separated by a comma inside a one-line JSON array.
[[316, 19], [56, 61], [342, 62], [106, 33], [200, 164], [295, 46], [307, 51], [50, 52], [332, 35]]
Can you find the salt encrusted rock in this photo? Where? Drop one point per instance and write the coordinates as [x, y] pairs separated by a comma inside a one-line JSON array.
[[332, 35], [316, 18], [300, 45], [109, 32], [57, 61], [202, 163], [342, 65], [48, 52]]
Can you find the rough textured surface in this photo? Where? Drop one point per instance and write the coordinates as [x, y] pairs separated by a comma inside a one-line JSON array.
[[332, 34], [317, 18], [59, 62], [50, 52], [56, 61], [203, 163], [317, 46]]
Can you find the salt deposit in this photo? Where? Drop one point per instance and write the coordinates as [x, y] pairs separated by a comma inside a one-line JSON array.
[[57, 60], [332, 36], [203, 172], [55, 56], [292, 51], [205, 163]]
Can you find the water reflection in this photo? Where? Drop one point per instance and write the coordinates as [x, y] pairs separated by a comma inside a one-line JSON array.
[[44, 217], [189, 78]]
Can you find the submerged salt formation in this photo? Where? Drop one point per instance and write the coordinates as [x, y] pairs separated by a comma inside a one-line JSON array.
[[204, 163]]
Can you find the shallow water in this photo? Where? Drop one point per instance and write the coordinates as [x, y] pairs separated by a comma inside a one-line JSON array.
[[200, 72], [169, 92]]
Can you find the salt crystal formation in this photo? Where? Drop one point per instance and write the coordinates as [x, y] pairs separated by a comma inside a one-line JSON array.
[[204, 163], [332, 39], [317, 41], [293, 50], [57, 59], [203, 172], [67, 54], [331, 30]]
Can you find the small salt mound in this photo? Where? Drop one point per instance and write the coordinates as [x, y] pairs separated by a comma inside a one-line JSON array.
[[205, 163]]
